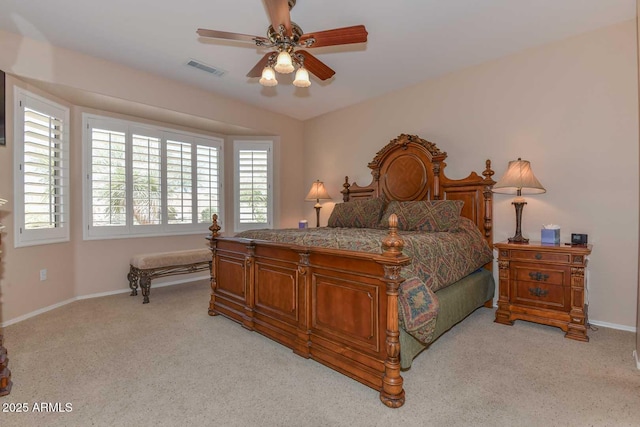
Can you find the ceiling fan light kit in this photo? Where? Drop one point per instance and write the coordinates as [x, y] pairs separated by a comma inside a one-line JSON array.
[[285, 40]]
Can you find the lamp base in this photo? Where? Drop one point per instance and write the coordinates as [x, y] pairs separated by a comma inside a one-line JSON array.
[[518, 239], [317, 207], [519, 204]]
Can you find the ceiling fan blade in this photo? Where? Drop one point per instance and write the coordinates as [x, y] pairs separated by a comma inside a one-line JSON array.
[[279, 14], [215, 34], [346, 35], [315, 66], [256, 71]]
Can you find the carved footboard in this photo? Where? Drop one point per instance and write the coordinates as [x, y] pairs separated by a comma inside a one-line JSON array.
[[337, 307]]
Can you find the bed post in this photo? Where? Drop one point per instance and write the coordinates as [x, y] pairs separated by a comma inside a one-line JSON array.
[[303, 283], [392, 393], [488, 202], [345, 191], [436, 181], [249, 286], [215, 231]]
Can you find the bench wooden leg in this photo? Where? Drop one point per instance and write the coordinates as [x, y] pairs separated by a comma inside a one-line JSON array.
[[133, 280], [145, 285]]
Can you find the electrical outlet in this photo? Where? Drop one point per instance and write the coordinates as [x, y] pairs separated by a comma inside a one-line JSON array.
[[43, 274]]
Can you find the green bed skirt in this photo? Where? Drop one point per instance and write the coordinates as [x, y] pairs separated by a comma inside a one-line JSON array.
[[457, 301]]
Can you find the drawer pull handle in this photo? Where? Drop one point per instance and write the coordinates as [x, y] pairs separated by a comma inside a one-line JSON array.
[[538, 256], [538, 292], [538, 277]]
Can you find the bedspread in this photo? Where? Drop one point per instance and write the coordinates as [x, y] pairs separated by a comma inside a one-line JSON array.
[[437, 258]]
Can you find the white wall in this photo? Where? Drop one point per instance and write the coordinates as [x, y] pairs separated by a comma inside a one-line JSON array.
[[570, 107]]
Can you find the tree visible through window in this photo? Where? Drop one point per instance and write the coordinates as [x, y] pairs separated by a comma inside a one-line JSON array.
[[108, 173], [147, 180]]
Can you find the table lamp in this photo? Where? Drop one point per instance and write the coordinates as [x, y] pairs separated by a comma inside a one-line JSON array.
[[317, 193], [519, 179]]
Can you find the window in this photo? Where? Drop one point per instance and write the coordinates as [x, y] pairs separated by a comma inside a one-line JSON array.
[[41, 170], [144, 180], [253, 184]]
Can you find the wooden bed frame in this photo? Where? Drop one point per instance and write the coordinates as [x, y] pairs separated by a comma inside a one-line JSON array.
[[340, 307]]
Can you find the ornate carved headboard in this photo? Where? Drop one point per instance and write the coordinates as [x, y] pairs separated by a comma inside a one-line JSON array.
[[412, 168]]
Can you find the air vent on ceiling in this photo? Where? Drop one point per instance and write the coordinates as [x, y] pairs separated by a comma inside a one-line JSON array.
[[219, 72]]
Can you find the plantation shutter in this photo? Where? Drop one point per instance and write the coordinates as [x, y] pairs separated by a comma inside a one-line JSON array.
[[108, 178], [147, 180], [143, 180], [179, 182], [253, 186], [44, 170], [41, 171], [208, 182]]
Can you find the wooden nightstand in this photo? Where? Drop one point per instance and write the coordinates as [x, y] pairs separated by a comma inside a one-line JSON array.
[[543, 284]]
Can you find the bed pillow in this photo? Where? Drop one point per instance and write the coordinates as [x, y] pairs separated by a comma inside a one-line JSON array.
[[424, 215], [357, 214]]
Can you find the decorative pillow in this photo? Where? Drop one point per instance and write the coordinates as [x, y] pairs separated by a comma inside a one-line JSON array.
[[359, 213], [424, 215]]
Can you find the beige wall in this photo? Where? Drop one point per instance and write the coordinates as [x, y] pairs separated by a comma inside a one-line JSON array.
[[80, 267], [638, 306], [570, 107]]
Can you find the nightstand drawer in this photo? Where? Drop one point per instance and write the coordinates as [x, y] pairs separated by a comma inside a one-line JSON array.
[[530, 255], [551, 276], [542, 295]]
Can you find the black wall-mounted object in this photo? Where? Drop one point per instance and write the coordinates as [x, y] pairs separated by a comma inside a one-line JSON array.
[[579, 239], [3, 138]]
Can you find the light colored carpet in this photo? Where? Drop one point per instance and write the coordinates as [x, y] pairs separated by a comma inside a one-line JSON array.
[[167, 363]]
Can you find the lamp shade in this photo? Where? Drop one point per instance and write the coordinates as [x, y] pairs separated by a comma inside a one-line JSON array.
[[519, 179], [284, 64], [268, 77], [318, 192], [302, 78]]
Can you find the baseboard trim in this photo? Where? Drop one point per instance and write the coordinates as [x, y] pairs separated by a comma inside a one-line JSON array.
[[599, 323], [37, 312], [612, 325], [96, 295]]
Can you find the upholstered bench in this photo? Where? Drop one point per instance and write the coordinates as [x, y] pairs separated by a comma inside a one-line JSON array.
[[146, 267]]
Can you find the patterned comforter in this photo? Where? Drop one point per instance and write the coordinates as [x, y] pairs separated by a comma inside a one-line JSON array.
[[438, 260]]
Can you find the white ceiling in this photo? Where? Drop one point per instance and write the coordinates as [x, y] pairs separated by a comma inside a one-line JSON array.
[[409, 40]]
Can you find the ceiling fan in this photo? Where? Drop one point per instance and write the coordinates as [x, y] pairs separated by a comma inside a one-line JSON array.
[[286, 37]]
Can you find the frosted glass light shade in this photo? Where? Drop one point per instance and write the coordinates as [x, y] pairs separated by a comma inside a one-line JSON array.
[[268, 77], [302, 78], [283, 63]]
